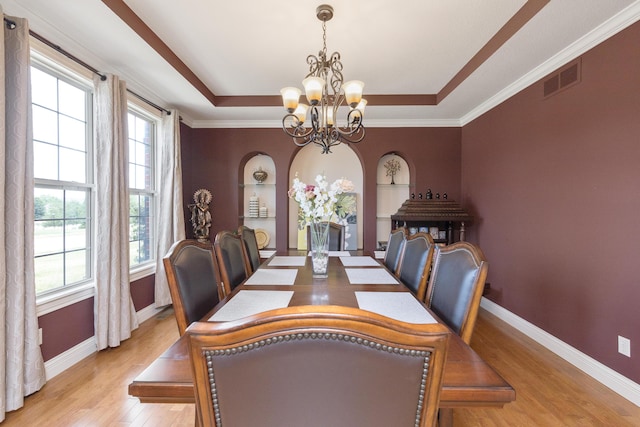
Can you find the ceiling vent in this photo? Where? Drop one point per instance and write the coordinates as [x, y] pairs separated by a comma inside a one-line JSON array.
[[564, 78]]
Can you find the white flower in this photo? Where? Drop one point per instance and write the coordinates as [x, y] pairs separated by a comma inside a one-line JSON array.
[[318, 202]]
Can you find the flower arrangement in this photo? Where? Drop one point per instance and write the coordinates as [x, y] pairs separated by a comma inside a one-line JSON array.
[[320, 201]]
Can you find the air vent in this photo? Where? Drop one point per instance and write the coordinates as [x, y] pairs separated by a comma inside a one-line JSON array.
[[551, 85], [564, 78]]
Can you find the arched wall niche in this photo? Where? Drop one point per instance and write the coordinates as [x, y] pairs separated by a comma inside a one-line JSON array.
[[265, 191], [391, 191], [342, 162]]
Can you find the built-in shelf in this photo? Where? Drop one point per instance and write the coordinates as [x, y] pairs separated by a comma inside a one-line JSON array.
[[390, 196], [266, 194], [250, 185], [253, 218]]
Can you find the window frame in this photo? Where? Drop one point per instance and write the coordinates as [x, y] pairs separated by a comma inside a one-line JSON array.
[[144, 111], [45, 57], [67, 76]]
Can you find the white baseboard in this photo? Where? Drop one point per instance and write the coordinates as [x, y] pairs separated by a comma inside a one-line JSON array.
[[607, 376], [148, 312], [64, 361]]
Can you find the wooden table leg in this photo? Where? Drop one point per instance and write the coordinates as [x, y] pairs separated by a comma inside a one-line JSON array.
[[198, 422], [445, 417]]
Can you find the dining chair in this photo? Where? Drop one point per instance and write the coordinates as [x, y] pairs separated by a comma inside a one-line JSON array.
[[455, 287], [415, 263], [251, 246], [336, 237], [317, 366], [193, 276], [232, 259], [395, 244]]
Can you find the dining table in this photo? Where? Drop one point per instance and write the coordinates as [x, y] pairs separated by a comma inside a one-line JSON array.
[[354, 279]]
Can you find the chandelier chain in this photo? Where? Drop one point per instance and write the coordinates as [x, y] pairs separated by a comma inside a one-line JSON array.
[[324, 37]]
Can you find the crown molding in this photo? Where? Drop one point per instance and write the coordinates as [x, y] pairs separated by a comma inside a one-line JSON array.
[[604, 31], [412, 123], [380, 123], [601, 33]]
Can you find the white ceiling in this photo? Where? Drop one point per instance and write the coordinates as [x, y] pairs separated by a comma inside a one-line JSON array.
[[256, 47]]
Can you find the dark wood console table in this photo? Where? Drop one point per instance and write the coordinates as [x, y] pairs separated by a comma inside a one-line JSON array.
[[428, 214]]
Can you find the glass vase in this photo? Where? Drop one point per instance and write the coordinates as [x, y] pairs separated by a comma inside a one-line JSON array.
[[319, 244]]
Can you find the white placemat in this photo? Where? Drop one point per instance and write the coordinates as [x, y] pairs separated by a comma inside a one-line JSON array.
[[335, 253], [370, 276], [379, 254], [397, 305], [272, 276], [247, 303], [359, 261], [266, 253], [288, 261]]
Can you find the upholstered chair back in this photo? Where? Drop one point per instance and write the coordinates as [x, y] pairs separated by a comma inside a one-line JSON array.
[[336, 237], [395, 244], [317, 366], [193, 276], [251, 246], [456, 284], [415, 263], [232, 259]]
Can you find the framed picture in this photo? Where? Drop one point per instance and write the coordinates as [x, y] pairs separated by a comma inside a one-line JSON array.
[[442, 235]]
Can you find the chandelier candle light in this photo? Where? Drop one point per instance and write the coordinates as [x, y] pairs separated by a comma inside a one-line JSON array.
[[317, 204], [325, 92]]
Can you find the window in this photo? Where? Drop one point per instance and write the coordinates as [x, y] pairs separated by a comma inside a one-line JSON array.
[[141, 189], [62, 146]]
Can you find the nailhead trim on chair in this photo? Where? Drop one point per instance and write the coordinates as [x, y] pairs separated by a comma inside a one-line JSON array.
[[209, 354]]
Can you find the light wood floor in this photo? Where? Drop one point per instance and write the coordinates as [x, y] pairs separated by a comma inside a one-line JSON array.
[[550, 392]]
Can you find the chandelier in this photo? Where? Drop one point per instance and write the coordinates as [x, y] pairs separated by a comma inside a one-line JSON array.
[[325, 92]]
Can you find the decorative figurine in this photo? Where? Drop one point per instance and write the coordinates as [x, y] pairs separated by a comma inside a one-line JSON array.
[[429, 194], [392, 166], [200, 215]]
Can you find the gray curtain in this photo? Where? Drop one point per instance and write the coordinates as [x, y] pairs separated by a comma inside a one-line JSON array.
[[170, 214], [114, 313], [21, 365]]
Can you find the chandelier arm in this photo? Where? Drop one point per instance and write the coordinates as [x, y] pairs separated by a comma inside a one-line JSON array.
[[322, 142], [316, 126], [295, 129], [353, 137], [354, 121], [314, 66], [348, 132], [335, 66], [354, 117], [301, 143]]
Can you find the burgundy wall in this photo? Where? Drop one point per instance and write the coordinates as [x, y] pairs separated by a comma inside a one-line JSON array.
[[556, 185], [214, 159], [65, 328], [143, 292]]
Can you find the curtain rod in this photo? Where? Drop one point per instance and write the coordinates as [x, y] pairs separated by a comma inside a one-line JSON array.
[[11, 25]]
